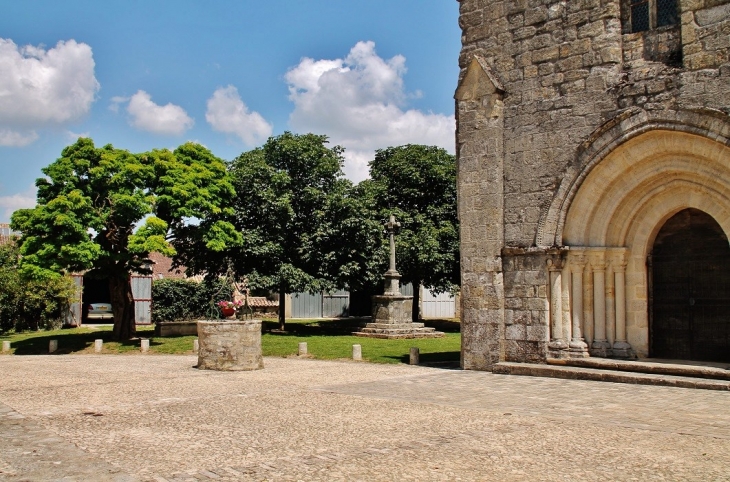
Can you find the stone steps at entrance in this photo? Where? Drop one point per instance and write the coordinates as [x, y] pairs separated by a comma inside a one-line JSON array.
[[608, 375], [662, 367]]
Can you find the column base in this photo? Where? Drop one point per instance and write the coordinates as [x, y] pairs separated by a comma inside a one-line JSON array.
[[578, 349], [621, 349], [558, 349], [601, 349]]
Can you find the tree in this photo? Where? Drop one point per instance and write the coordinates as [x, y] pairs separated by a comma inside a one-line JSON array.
[[293, 207], [92, 198], [417, 184], [27, 303]]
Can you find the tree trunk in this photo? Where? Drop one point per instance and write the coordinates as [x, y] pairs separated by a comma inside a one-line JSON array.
[[416, 311], [120, 291], [282, 309]]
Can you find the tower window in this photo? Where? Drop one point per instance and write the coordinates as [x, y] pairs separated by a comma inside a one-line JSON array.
[[648, 14]]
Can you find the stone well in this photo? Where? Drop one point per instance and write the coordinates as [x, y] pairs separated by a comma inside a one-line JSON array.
[[233, 345]]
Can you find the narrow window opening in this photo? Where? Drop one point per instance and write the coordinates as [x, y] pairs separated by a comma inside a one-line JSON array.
[[645, 15], [639, 15], [666, 13]]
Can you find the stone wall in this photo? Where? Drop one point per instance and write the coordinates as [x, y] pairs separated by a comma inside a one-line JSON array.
[[538, 79]]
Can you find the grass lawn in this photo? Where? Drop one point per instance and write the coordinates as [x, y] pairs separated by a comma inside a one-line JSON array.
[[326, 339]]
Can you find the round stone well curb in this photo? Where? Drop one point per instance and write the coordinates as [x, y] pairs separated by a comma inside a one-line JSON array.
[[230, 345]]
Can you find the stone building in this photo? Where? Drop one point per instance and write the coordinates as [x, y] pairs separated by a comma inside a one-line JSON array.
[[593, 142]]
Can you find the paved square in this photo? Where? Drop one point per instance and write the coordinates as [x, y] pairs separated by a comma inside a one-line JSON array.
[[156, 418]]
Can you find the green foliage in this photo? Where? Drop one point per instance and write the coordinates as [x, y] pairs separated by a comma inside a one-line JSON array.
[[293, 207], [91, 199], [28, 303], [417, 184], [180, 300]]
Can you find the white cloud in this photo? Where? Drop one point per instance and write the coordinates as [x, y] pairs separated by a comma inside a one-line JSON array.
[[169, 119], [13, 138], [40, 88], [227, 113], [74, 136], [360, 103], [8, 204]]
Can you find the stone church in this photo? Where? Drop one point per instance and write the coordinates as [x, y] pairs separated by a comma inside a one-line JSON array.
[[593, 145]]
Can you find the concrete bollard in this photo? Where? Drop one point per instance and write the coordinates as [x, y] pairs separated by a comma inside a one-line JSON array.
[[414, 355], [144, 345], [357, 352], [6, 346], [196, 345], [302, 348], [98, 344], [52, 346]]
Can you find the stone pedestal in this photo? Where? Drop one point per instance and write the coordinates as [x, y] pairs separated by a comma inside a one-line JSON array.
[[392, 320], [229, 345]]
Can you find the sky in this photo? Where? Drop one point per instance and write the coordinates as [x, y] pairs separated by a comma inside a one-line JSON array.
[[228, 74]]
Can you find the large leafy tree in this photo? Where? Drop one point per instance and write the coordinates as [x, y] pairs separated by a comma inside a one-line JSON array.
[[295, 209], [91, 199], [417, 184]]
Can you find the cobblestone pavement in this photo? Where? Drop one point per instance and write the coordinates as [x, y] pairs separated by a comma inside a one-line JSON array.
[[156, 418]]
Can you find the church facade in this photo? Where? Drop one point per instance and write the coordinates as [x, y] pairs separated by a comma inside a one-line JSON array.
[[593, 146]]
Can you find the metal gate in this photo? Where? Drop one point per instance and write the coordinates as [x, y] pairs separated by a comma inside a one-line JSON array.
[[305, 305], [442, 305], [336, 304], [320, 305], [142, 294]]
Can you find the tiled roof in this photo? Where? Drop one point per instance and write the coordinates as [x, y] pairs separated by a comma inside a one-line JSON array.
[[162, 268], [260, 301]]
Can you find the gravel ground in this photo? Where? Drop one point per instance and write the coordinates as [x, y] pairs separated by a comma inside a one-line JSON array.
[[156, 418]]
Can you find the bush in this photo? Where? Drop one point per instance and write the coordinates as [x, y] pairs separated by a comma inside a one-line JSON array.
[[181, 300], [31, 304]]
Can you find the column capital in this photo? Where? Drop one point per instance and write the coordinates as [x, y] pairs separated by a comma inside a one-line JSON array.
[[555, 263], [618, 258], [598, 259], [577, 260]]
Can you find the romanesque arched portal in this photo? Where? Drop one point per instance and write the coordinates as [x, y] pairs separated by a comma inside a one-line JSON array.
[[611, 226]]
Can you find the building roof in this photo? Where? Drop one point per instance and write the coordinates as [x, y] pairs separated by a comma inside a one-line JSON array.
[[162, 268], [260, 302]]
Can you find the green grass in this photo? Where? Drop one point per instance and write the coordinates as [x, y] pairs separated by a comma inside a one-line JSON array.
[[327, 340]]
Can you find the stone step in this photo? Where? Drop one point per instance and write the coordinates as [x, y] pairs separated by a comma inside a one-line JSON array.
[[394, 330], [401, 336], [397, 326], [608, 375], [664, 367]]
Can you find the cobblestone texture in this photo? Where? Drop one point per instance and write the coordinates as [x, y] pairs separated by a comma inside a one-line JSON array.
[[156, 418]]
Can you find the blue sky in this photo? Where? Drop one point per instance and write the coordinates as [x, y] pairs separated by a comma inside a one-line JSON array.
[[228, 74]]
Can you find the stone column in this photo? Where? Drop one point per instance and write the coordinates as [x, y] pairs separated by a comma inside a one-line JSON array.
[[610, 301], [621, 348], [600, 346], [566, 316], [588, 305], [578, 346], [557, 348]]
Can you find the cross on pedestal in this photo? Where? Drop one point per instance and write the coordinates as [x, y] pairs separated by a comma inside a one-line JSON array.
[[392, 277]]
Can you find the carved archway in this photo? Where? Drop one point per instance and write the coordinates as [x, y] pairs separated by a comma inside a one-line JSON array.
[[618, 208], [705, 123]]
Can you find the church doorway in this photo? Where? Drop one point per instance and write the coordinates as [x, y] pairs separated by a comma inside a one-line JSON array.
[[689, 286]]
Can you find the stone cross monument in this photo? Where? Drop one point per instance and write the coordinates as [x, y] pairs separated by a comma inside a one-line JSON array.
[[392, 277], [392, 310]]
